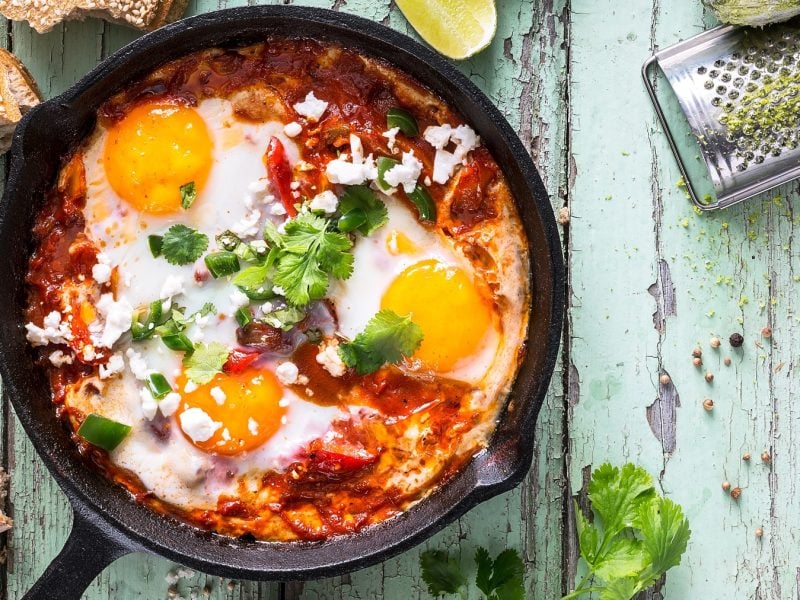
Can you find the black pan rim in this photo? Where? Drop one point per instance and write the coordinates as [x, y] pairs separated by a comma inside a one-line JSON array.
[[374, 549]]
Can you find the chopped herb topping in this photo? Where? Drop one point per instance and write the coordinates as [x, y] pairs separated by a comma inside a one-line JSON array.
[[284, 318], [387, 338], [361, 210], [183, 245], [205, 362], [188, 195]]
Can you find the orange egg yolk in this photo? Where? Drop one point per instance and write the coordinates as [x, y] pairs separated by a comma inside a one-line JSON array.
[[153, 151], [250, 412], [454, 316]]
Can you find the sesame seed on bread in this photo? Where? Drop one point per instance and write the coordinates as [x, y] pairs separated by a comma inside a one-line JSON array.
[[18, 94], [142, 14]]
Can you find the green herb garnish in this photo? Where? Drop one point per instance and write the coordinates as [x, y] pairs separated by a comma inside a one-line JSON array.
[[103, 433], [155, 242], [387, 338], [145, 321], [243, 316], [284, 318], [498, 579], [254, 282], [361, 210], [183, 245], [188, 195], [421, 198], [158, 385], [635, 537], [205, 362], [397, 117], [222, 264]]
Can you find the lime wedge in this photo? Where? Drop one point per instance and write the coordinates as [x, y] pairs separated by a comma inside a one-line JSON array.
[[456, 28]]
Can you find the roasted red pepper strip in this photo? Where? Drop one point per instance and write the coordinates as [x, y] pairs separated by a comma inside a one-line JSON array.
[[280, 174], [339, 456], [238, 361]]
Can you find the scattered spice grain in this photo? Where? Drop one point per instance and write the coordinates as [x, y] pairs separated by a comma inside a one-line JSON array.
[[726, 486], [746, 456], [736, 492], [759, 532], [709, 376], [715, 342], [708, 404], [697, 362], [765, 457], [727, 361], [766, 332], [736, 340], [664, 379], [697, 352]]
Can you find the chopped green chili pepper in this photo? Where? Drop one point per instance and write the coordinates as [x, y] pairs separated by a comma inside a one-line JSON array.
[[221, 264], [385, 164], [397, 117], [178, 342], [424, 203], [103, 433], [144, 326], [352, 220], [158, 385], [243, 316], [155, 242]]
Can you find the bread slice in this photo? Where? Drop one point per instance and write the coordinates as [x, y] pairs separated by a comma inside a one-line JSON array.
[[43, 15], [18, 94]]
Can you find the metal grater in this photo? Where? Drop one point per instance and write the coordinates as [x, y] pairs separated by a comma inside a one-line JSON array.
[[739, 89]]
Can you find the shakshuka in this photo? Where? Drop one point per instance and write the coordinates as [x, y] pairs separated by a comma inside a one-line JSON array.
[[280, 291]]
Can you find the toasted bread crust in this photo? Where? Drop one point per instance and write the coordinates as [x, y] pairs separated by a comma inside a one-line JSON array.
[[18, 94]]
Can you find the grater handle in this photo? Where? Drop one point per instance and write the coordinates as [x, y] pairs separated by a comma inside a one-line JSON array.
[[648, 75]]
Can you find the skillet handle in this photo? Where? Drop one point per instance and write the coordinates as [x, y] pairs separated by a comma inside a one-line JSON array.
[[90, 548]]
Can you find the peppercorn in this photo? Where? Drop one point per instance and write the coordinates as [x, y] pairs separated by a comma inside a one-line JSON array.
[[746, 456], [726, 486], [766, 332], [665, 379], [736, 492], [697, 362], [759, 532], [715, 342], [708, 404], [765, 457], [727, 361], [736, 340], [709, 376], [697, 353]]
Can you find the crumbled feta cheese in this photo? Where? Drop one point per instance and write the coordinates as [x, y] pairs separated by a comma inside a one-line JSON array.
[[405, 174], [53, 331], [239, 299], [391, 135], [278, 290], [59, 358], [465, 139], [137, 365], [277, 209], [173, 286], [149, 404], [190, 387], [331, 361], [355, 171], [292, 129], [326, 202], [226, 435], [295, 185], [114, 366], [283, 402], [248, 225], [287, 373], [196, 423], [252, 426], [101, 272], [88, 353], [427, 181], [258, 186], [266, 307], [169, 404], [312, 107], [218, 395], [116, 320], [259, 246]]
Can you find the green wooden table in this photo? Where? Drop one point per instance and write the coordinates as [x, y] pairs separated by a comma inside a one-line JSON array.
[[649, 279]]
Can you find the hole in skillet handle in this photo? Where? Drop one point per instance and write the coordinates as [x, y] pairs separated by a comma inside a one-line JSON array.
[[91, 546]]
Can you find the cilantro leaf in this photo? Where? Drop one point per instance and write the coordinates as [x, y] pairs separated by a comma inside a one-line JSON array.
[[620, 589], [308, 254], [441, 573], [387, 338], [205, 362], [484, 575], [183, 245], [665, 533], [616, 494], [207, 309], [506, 582], [623, 559], [188, 195], [361, 210], [284, 318]]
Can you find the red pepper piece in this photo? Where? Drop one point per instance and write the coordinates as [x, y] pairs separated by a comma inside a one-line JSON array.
[[238, 361], [280, 174]]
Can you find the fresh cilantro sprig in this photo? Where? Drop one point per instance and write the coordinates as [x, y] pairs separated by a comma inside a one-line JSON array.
[[188, 195], [205, 362], [309, 253], [635, 537], [361, 210], [387, 338], [182, 245], [498, 579]]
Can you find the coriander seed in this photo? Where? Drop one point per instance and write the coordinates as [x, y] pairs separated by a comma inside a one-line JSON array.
[[746, 456], [766, 332], [736, 340], [765, 457], [727, 361], [664, 379], [736, 492], [715, 342], [726, 486], [697, 361], [708, 404], [759, 532], [709, 376], [697, 352]]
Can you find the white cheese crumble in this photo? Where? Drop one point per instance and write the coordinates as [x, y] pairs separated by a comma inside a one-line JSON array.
[[292, 129], [248, 225], [190, 387], [405, 174], [169, 404], [114, 366], [277, 209], [239, 299], [312, 107], [331, 361], [391, 135], [278, 290], [58, 358], [354, 171], [101, 272], [149, 404], [259, 186], [326, 202], [218, 395], [137, 365], [287, 373], [173, 286], [53, 331], [252, 426], [116, 321], [196, 423], [440, 136], [259, 246]]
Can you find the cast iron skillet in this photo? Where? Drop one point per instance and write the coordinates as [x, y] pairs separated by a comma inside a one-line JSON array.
[[107, 522]]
